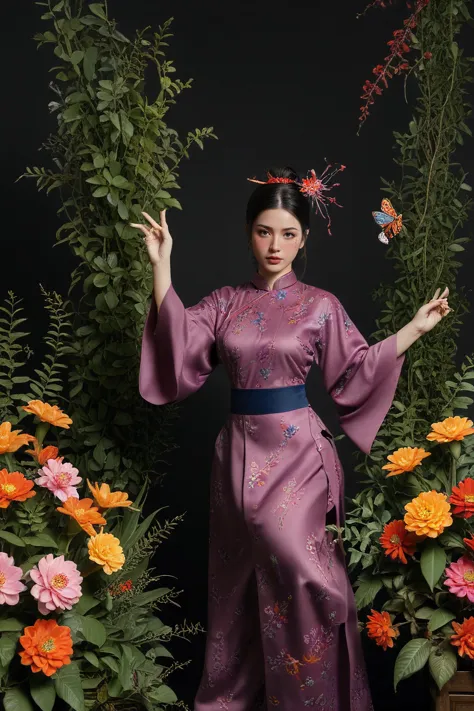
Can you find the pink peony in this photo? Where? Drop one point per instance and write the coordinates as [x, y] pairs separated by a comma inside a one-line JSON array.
[[58, 583], [460, 578], [60, 478], [10, 585]]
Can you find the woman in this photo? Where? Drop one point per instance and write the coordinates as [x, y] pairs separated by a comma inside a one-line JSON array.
[[281, 612]]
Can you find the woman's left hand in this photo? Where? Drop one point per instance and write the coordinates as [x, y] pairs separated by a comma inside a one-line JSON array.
[[431, 313]]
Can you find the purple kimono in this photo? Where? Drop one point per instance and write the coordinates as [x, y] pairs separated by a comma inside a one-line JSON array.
[[282, 614]]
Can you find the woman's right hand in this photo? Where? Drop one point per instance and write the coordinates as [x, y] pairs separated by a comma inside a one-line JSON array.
[[157, 238]]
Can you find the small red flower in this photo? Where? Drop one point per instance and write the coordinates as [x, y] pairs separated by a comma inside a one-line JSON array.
[[462, 498], [427, 55]]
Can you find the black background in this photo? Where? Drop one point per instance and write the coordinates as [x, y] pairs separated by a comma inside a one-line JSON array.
[[280, 83]]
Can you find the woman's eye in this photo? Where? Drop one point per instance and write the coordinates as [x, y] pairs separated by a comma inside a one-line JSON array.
[[290, 235]]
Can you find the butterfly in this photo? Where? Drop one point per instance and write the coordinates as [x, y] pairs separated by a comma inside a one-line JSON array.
[[388, 219]]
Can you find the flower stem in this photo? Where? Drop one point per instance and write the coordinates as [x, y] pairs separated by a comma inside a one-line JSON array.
[[454, 474]]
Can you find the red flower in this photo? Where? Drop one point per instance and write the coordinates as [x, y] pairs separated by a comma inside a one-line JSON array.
[[462, 498], [427, 55]]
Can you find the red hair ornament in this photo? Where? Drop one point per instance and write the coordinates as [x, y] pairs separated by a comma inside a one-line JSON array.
[[315, 188]]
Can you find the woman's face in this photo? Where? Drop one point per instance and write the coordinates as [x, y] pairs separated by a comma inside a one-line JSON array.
[[276, 238]]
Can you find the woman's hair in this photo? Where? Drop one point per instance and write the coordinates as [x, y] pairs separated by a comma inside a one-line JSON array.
[[286, 196]]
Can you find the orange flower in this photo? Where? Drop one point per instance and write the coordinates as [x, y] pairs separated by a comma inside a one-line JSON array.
[[380, 628], [82, 511], [12, 441], [42, 454], [405, 459], [462, 498], [107, 499], [428, 514], [469, 542], [48, 413], [47, 646], [450, 429], [397, 542], [14, 487], [105, 549], [464, 637]]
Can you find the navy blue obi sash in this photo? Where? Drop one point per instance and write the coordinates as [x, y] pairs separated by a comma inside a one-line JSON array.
[[264, 401]]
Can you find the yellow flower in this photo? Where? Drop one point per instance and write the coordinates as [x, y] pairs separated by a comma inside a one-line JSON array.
[[428, 514], [450, 429], [12, 441], [105, 549], [405, 459], [107, 499], [48, 413]]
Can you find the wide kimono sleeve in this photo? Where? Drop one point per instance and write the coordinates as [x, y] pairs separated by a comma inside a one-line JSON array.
[[178, 348], [361, 379]]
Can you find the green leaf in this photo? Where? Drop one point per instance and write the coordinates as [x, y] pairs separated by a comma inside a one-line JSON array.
[[16, 700], [433, 563], [8, 643], [11, 538], [77, 56], [42, 539], [424, 613], [119, 181], [86, 603], [439, 618], [11, 625], [92, 659], [164, 695], [98, 9], [101, 280], [111, 299], [67, 682], [89, 62], [92, 630], [101, 191], [450, 539], [443, 664], [42, 691], [366, 592], [411, 658]]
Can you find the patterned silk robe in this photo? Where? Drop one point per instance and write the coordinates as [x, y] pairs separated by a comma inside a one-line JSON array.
[[281, 614]]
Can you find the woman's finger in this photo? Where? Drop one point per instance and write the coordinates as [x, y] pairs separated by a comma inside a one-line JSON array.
[[152, 222], [143, 228], [436, 294]]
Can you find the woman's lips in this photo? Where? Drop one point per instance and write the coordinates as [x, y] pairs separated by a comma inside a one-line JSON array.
[[273, 260]]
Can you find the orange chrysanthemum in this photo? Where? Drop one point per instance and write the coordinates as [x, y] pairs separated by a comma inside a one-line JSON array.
[[380, 628], [105, 550], [47, 646], [11, 441], [464, 637], [107, 499], [14, 487], [48, 413], [462, 498], [397, 542], [428, 514], [405, 459], [451, 429], [42, 454], [82, 511]]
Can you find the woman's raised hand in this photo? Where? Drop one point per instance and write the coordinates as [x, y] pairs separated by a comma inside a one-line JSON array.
[[157, 238]]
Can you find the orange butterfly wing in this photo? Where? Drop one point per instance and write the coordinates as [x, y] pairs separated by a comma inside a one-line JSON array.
[[388, 208], [393, 228]]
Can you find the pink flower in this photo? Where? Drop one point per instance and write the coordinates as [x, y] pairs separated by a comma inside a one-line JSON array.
[[460, 578], [60, 478], [10, 585], [58, 583]]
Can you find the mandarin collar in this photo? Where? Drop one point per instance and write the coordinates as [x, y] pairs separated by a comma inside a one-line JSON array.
[[281, 283]]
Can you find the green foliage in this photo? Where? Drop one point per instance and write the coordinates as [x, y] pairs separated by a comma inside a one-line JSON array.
[[435, 200], [114, 156]]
